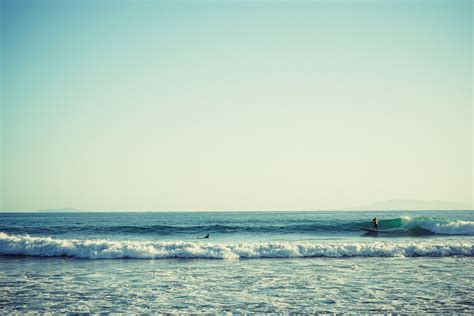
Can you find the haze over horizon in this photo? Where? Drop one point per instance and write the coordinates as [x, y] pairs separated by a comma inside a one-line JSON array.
[[234, 106]]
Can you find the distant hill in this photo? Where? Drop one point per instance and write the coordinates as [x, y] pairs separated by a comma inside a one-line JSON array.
[[61, 210], [402, 204]]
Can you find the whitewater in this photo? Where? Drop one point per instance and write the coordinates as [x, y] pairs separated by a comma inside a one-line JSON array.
[[104, 249], [265, 262]]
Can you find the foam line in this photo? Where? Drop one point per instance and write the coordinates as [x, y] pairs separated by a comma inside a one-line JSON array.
[[106, 249]]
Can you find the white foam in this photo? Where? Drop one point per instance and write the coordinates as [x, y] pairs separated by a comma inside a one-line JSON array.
[[451, 228], [441, 226], [106, 249]]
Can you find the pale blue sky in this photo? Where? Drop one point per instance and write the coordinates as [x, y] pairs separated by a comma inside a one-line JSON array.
[[188, 105]]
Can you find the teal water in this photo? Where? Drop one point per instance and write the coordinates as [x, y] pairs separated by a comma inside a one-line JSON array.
[[254, 262]]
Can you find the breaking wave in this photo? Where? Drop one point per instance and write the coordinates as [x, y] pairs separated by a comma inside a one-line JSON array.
[[106, 249], [428, 226]]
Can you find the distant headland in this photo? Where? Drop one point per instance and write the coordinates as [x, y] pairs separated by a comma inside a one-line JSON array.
[[62, 210], [387, 205], [413, 205]]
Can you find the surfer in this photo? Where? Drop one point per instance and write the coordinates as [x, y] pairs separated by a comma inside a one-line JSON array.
[[206, 237], [375, 221]]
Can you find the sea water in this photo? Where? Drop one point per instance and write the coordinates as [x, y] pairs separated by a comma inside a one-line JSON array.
[[293, 262]]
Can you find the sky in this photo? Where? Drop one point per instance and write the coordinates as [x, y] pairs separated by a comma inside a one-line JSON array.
[[234, 105]]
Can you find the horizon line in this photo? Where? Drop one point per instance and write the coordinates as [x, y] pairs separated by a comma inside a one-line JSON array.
[[231, 211]]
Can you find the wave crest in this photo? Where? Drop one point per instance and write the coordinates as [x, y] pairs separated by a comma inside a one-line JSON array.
[[107, 249], [432, 225]]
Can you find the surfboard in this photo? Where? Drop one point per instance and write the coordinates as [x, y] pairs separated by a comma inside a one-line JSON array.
[[370, 230]]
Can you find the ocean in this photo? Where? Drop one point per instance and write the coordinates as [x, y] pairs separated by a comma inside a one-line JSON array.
[[253, 262]]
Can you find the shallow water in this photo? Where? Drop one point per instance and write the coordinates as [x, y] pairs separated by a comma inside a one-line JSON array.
[[412, 285], [320, 262]]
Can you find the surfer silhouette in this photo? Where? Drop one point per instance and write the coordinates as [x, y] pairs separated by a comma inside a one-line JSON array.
[[206, 237], [375, 222]]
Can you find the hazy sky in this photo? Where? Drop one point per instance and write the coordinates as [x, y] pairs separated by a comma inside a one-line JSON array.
[[188, 105]]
